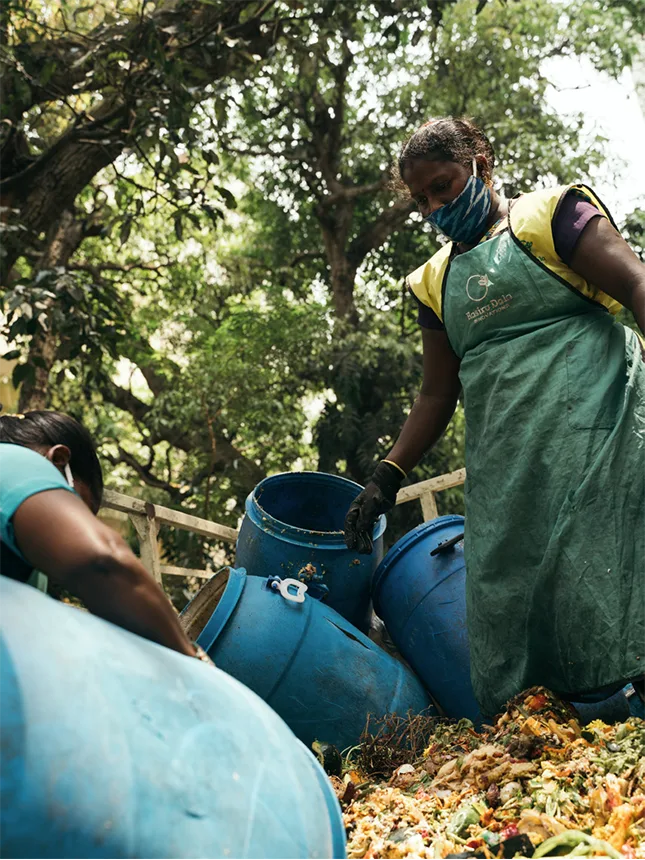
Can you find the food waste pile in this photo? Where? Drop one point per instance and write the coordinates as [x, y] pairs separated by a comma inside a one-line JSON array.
[[536, 784]]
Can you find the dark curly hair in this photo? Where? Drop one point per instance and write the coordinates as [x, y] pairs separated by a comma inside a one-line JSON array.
[[42, 428], [447, 139]]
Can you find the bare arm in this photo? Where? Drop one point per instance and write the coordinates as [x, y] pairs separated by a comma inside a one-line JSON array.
[[57, 534], [603, 258], [427, 420], [435, 405]]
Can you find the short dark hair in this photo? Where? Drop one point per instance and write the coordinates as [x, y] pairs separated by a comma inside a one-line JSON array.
[[447, 139], [42, 427]]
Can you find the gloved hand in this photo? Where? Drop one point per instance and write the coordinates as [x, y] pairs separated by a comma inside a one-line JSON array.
[[378, 497]]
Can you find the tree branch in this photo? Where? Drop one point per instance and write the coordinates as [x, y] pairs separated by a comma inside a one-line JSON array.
[[375, 234], [124, 399], [146, 475], [46, 185], [188, 439], [30, 173], [76, 54], [351, 192], [95, 269]]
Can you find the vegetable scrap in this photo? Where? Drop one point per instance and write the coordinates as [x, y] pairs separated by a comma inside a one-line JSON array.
[[536, 784]]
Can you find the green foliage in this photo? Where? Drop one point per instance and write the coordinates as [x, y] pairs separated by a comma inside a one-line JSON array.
[[634, 231], [88, 318], [320, 128], [233, 303]]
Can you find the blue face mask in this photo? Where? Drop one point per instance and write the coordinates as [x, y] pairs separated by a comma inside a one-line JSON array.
[[464, 218]]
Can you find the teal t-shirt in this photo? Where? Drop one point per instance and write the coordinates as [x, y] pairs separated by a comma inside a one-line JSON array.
[[23, 473]]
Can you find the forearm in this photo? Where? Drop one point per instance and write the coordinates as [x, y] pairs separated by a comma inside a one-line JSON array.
[[120, 590], [428, 418], [58, 535]]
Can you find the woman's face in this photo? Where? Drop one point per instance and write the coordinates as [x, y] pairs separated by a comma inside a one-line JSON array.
[[432, 184]]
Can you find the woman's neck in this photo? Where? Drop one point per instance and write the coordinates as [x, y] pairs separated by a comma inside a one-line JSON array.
[[498, 210]]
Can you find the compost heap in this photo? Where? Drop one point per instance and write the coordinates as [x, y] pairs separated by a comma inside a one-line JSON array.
[[535, 784]]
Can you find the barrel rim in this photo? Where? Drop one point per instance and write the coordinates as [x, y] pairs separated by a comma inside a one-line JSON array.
[[226, 605], [252, 507], [403, 544]]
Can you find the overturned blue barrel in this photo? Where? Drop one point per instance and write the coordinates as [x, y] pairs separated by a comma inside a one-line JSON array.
[[294, 527], [420, 593], [421, 597], [113, 746], [320, 674]]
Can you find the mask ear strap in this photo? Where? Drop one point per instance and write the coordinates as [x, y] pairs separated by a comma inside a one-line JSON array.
[[474, 166], [68, 475]]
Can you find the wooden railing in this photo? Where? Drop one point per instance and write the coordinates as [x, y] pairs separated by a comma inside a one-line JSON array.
[[147, 518], [425, 491]]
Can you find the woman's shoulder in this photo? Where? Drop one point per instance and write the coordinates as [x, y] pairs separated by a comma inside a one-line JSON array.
[[24, 472], [18, 457], [431, 271], [547, 226], [537, 210]]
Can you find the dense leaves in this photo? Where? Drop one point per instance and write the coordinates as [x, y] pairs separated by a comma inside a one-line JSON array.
[[203, 254]]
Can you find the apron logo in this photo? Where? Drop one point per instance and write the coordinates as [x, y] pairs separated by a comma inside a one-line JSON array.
[[477, 287]]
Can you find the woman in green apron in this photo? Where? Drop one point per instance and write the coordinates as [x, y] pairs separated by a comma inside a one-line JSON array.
[[51, 487], [517, 313]]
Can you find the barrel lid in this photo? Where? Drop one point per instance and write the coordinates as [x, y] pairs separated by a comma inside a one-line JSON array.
[[224, 609], [405, 543]]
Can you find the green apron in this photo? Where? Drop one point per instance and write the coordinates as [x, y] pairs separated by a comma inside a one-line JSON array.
[[554, 399]]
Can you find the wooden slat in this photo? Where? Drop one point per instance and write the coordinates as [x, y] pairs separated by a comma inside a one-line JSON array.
[[429, 507], [146, 529], [168, 517], [120, 502], [434, 485], [170, 570]]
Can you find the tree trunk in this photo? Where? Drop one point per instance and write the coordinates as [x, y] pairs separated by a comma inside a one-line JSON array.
[[335, 224], [34, 392], [343, 277], [62, 240]]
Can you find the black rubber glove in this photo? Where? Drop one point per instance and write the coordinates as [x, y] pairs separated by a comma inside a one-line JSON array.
[[378, 497]]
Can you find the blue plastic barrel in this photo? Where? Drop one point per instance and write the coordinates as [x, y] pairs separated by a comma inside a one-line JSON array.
[[634, 702], [422, 600], [294, 528], [113, 746], [323, 676]]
